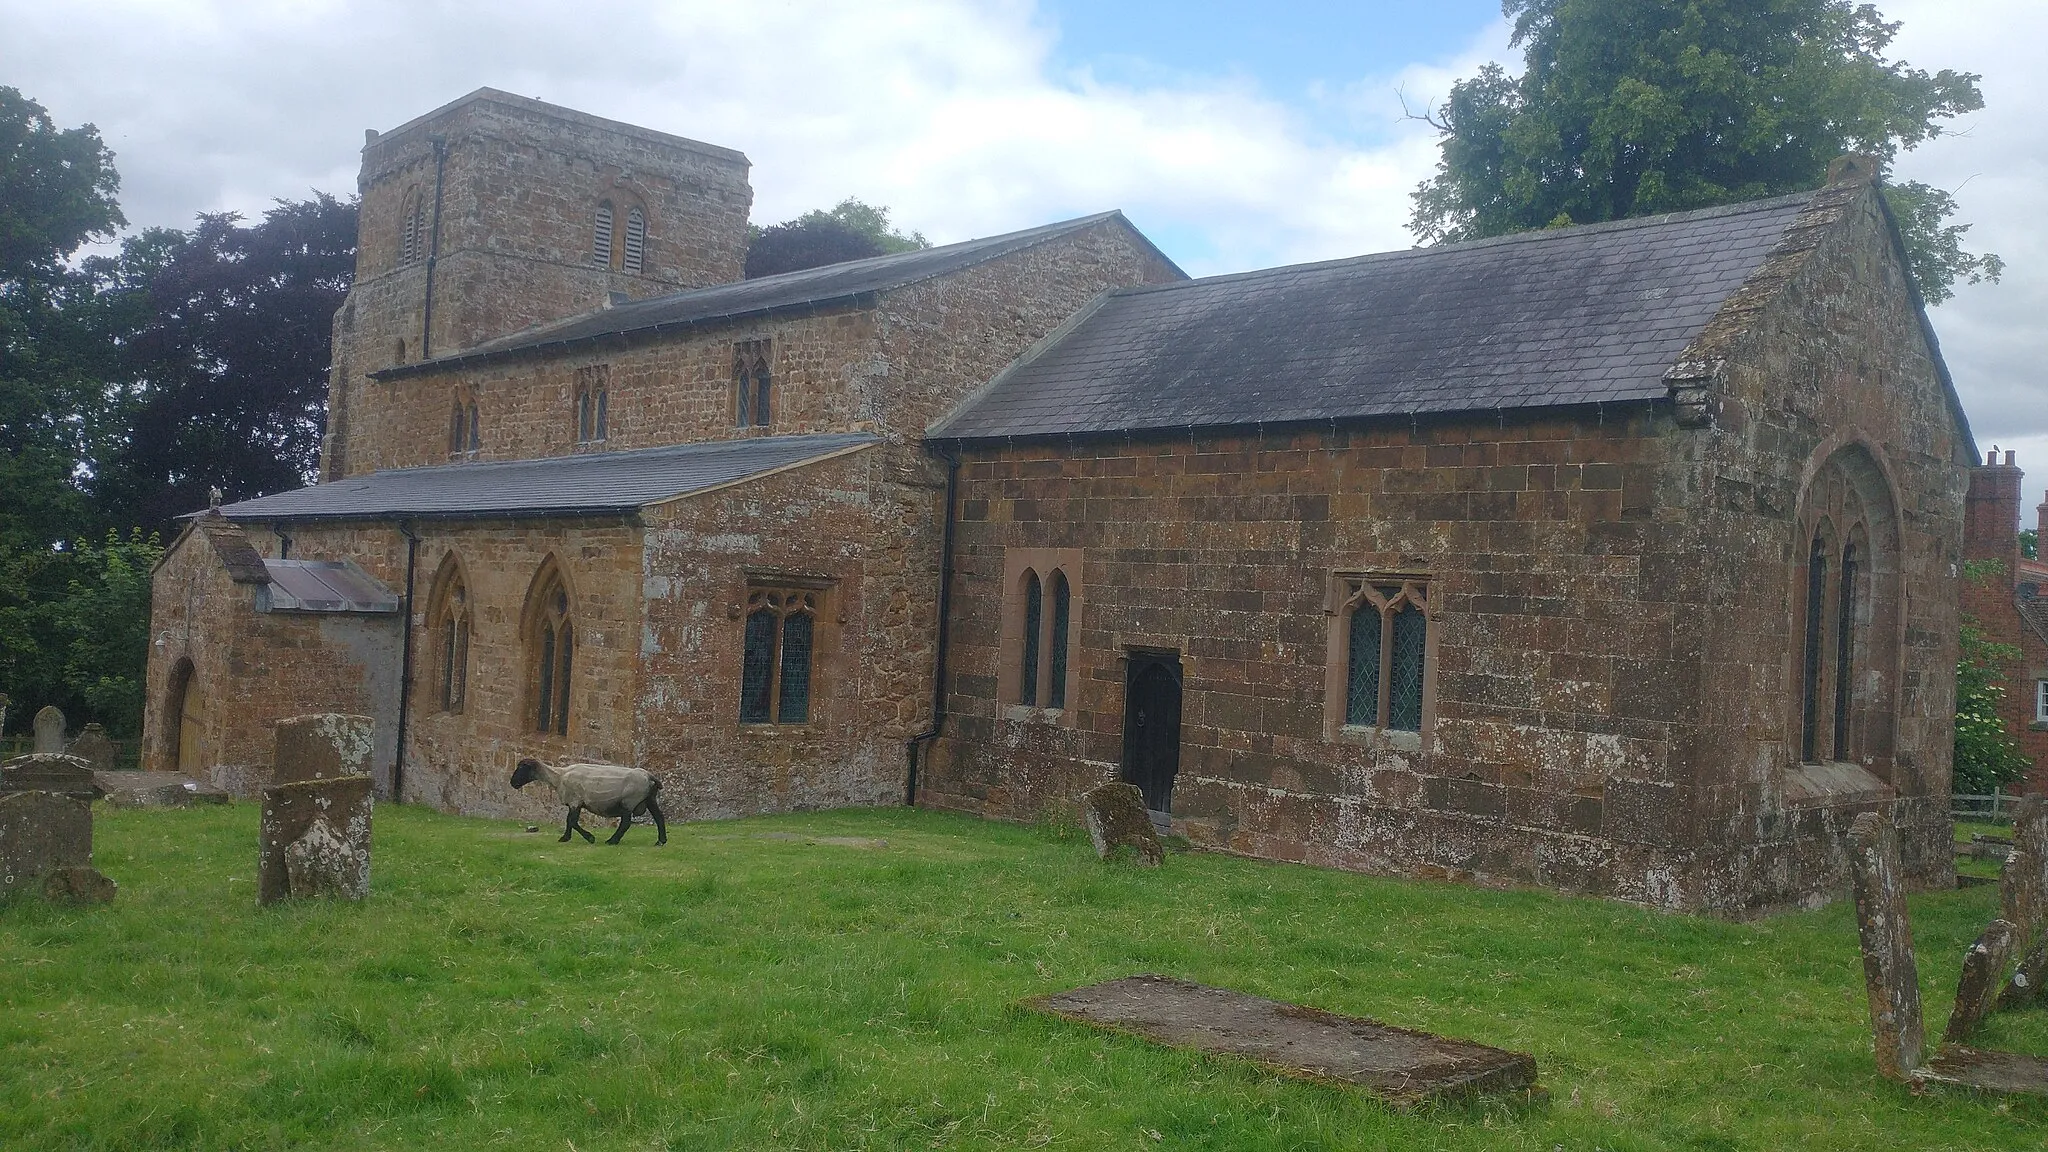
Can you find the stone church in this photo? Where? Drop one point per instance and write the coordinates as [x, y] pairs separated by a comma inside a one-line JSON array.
[[1617, 559]]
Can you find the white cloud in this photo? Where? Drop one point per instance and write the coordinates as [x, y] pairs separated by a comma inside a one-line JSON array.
[[948, 111]]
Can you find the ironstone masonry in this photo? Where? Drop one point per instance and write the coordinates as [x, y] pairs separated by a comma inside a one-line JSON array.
[[1605, 466]]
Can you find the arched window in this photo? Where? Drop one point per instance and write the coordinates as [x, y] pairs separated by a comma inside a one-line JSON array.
[[593, 403], [1034, 612], [412, 227], [1846, 611], [750, 384], [775, 670], [448, 618], [601, 236], [1386, 653], [465, 434], [551, 644], [636, 239], [1056, 675]]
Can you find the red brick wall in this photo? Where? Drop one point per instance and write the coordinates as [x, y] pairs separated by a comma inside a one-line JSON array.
[[1988, 589]]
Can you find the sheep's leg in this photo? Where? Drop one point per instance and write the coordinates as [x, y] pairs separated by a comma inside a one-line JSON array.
[[576, 825], [625, 822], [660, 825]]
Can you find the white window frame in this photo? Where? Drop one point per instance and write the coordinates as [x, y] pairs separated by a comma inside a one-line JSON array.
[[2041, 701]]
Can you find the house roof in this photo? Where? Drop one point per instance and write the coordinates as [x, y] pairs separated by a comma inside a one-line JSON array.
[[1557, 317], [806, 289], [591, 484]]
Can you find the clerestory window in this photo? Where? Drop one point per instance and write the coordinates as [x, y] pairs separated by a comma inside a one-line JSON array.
[[465, 432], [751, 386], [593, 404]]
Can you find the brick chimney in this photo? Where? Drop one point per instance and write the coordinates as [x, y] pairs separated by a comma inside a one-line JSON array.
[[1991, 515]]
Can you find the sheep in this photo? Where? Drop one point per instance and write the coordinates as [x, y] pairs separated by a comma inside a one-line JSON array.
[[605, 789]]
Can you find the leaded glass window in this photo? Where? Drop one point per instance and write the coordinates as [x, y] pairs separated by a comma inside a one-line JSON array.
[[1062, 606], [1386, 658], [452, 619], [554, 652], [593, 390], [1034, 608], [777, 668], [1845, 634], [1816, 622], [750, 383]]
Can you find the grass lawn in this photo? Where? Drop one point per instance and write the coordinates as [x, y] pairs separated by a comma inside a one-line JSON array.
[[728, 991]]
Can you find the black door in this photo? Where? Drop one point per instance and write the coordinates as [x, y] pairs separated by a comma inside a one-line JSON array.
[[1152, 727]]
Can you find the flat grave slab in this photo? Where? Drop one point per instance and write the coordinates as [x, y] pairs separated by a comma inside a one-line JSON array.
[[1990, 1071], [1399, 1065]]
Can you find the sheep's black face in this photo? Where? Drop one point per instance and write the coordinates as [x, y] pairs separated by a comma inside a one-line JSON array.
[[527, 772]]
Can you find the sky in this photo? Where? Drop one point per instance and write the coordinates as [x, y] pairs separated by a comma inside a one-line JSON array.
[[1236, 135]]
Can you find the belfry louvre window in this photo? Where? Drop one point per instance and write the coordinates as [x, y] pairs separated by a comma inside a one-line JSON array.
[[775, 670], [593, 403], [1386, 660], [750, 384], [635, 252], [412, 228], [601, 236]]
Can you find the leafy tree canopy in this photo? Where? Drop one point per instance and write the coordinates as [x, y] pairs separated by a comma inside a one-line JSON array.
[[1635, 107], [2030, 543], [852, 230], [1986, 755]]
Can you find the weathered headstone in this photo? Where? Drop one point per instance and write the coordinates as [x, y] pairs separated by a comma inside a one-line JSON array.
[[323, 746], [156, 790], [2023, 895], [50, 772], [49, 724], [41, 832], [315, 840], [1399, 1065], [2023, 989], [1983, 972], [1889, 974], [93, 747], [1116, 816]]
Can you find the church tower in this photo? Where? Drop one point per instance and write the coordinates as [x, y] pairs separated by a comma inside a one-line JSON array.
[[496, 212]]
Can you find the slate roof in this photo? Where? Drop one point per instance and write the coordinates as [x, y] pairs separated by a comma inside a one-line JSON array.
[[591, 484], [805, 289], [1566, 316]]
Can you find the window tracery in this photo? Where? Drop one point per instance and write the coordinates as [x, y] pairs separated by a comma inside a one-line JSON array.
[[776, 667], [1386, 657]]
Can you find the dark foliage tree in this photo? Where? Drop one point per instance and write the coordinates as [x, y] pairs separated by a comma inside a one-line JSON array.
[[224, 380], [850, 231], [1634, 107]]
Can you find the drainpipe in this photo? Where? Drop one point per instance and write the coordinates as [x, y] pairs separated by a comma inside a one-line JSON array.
[[412, 555], [945, 620], [433, 247]]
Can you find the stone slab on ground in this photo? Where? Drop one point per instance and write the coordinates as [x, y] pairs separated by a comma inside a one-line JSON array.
[[322, 746], [1988, 1071], [315, 840], [156, 790], [1399, 1065], [1890, 976], [41, 832], [1116, 816]]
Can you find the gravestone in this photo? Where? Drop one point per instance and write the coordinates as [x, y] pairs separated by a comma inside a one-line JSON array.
[[1399, 1065], [49, 724], [77, 885], [2023, 895], [323, 746], [1116, 816], [315, 840], [1890, 976], [93, 747], [50, 772], [42, 833], [1983, 972]]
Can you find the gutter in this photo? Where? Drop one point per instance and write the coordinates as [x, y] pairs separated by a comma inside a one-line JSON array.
[[945, 620]]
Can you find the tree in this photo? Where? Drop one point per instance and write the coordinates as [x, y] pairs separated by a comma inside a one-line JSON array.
[[852, 230], [226, 334], [1987, 757], [1635, 107], [2030, 543]]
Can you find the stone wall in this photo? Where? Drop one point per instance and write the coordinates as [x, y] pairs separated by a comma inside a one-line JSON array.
[[861, 530], [1613, 677], [894, 365]]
